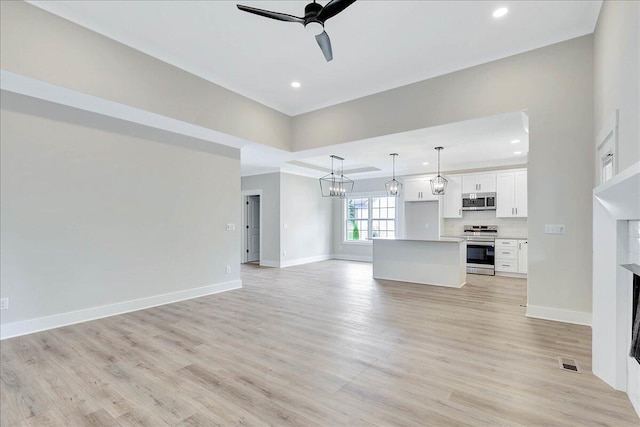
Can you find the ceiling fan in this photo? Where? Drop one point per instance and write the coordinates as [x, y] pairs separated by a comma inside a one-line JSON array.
[[314, 17]]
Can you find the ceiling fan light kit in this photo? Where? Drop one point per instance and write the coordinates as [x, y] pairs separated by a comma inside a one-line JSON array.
[[315, 16], [334, 185]]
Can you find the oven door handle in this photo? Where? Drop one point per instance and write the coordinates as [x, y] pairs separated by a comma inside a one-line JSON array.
[[472, 243]]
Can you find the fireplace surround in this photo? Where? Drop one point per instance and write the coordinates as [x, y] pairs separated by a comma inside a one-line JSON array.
[[634, 350], [616, 242]]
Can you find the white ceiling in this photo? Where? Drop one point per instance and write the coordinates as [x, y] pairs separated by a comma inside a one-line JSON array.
[[472, 144], [377, 45]]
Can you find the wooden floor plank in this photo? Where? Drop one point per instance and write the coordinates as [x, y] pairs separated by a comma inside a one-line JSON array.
[[321, 344]]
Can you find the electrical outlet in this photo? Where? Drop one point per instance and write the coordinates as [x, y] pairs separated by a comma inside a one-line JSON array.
[[284, 253], [554, 229], [4, 304], [285, 225], [228, 269], [231, 227]]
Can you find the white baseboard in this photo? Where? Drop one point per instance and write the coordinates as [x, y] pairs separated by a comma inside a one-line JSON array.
[[25, 327], [422, 283], [514, 275], [268, 263], [566, 316], [346, 257], [300, 261]]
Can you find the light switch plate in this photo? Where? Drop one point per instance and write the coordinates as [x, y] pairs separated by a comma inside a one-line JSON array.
[[554, 229]]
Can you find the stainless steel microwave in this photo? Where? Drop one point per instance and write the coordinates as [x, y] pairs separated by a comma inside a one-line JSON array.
[[479, 201]]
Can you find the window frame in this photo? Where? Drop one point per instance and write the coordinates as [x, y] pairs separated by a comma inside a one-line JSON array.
[[369, 219]]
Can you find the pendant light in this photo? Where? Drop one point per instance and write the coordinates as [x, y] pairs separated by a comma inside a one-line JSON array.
[[438, 184], [393, 187], [332, 185]]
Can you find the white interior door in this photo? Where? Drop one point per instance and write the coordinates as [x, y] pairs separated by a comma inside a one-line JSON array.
[[253, 228]]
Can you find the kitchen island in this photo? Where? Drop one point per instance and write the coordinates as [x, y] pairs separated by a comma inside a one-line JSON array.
[[439, 262]]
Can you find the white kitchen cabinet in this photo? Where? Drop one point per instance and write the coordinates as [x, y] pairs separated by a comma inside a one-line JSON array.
[[520, 194], [523, 253], [506, 255], [511, 194], [506, 265], [418, 190], [452, 199], [511, 256], [479, 183]]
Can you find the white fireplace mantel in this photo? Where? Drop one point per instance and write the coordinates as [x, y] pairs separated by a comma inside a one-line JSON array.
[[615, 203]]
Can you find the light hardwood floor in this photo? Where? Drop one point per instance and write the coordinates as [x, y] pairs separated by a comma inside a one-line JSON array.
[[316, 345]]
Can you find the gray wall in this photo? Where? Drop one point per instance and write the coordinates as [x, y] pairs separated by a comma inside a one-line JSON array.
[[308, 218], [555, 84], [296, 201], [269, 184], [97, 211], [40, 45], [617, 75]]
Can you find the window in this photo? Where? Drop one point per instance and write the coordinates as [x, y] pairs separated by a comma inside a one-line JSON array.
[[368, 217]]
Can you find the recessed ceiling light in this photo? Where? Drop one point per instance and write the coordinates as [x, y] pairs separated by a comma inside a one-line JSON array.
[[295, 84], [515, 141], [425, 163], [500, 12], [517, 152]]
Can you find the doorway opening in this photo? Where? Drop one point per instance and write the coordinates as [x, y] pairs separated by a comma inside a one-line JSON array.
[[251, 236]]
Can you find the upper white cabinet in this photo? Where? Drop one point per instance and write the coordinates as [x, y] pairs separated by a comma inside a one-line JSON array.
[[511, 197], [479, 183], [521, 194], [452, 199], [418, 190]]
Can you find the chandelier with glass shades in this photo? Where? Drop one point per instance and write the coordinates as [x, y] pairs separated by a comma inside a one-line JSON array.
[[393, 187], [438, 184], [334, 185]]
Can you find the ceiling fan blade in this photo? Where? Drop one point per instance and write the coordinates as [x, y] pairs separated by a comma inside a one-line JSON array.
[[273, 15], [325, 45], [333, 8]]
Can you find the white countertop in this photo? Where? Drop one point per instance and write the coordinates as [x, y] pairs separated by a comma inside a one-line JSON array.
[[442, 239]]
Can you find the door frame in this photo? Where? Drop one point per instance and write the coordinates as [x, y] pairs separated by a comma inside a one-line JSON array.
[[244, 199]]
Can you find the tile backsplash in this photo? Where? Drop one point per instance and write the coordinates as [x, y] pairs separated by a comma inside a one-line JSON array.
[[507, 227]]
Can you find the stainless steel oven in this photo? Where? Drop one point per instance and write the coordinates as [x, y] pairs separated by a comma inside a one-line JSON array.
[[481, 248], [481, 257]]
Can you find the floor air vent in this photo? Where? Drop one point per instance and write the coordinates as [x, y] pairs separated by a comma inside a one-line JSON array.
[[568, 364]]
